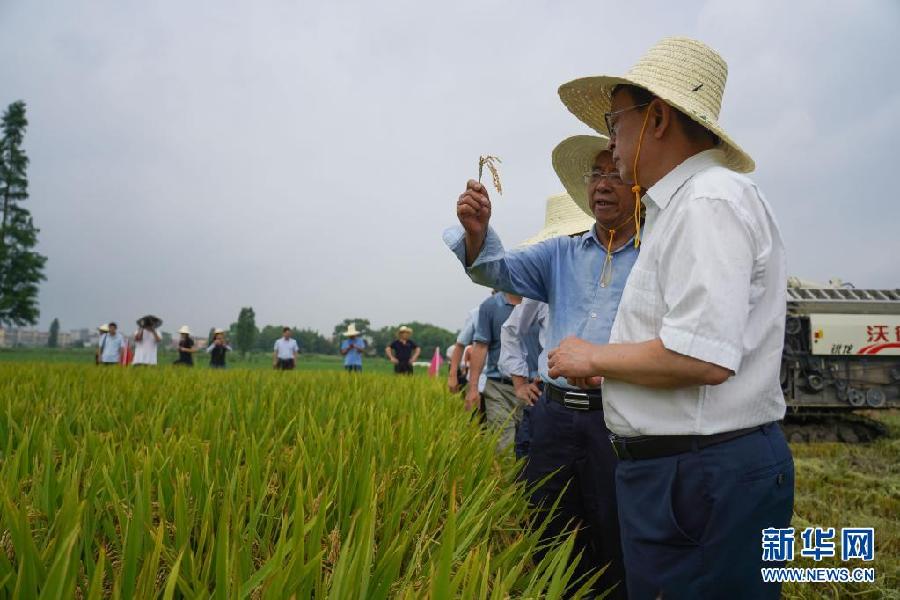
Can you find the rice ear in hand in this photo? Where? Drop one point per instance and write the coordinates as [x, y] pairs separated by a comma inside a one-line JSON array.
[[491, 163]]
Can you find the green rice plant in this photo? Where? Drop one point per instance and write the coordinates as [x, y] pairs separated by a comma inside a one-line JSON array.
[[129, 483]]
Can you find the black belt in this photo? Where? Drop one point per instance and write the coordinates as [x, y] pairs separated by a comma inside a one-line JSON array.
[[503, 380], [656, 446], [577, 399]]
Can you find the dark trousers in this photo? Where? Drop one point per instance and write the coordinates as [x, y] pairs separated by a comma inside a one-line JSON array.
[[572, 447], [285, 364], [692, 523], [403, 368], [353, 368], [523, 434]]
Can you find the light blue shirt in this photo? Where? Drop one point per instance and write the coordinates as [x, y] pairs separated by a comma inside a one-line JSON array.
[[354, 357], [522, 340], [492, 314], [111, 346], [564, 272], [468, 330]]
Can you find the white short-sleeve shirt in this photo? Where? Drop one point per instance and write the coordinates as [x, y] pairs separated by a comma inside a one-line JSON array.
[[710, 282], [145, 348], [286, 348]]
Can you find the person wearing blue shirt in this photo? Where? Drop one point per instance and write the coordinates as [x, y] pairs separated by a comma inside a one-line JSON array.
[[352, 349], [581, 278], [502, 409], [111, 346]]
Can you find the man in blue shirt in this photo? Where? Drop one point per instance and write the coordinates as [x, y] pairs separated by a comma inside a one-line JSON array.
[[582, 279], [501, 407], [352, 349], [111, 346]]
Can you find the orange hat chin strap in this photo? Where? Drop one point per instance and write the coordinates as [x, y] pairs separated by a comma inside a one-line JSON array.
[[636, 188]]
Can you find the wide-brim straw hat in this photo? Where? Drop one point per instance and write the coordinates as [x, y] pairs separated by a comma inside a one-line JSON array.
[[685, 73], [151, 321], [351, 331], [563, 216], [104, 328], [572, 158], [185, 329], [404, 329], [218, 331]]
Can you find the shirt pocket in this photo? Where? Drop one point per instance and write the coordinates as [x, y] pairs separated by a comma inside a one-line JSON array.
[[642, 299]]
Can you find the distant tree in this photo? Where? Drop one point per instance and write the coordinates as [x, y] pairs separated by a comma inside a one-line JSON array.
[[245, 330], [267, 336], [21, 268], [362, 325], [53, 338], [211, 335], [165, 339], [314, 342], [426, 335]]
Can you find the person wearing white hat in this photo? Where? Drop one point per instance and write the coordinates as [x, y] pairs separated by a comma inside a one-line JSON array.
[[218, 350], [111, 346], [185, 347], [581, 278], [403, 352], [352, 349], [691, 389]]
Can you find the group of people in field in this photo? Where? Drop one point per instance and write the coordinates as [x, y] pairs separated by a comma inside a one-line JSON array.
[[630, 352], [113, 348]]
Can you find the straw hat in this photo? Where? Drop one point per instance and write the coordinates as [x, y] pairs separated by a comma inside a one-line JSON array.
[[572, 158], [185, 329], [685, 73], [150, 321], [104, 328], [563, 216], [218, 331], [405, 329], [351, 330]]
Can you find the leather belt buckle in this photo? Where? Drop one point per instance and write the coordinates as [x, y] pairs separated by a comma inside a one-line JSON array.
[[577, 401]]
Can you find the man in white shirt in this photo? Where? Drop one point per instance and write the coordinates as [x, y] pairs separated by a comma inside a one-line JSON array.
[[146, 342], [691, 391], [285, 355]]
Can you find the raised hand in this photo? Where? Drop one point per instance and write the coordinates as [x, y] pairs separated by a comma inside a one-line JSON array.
[[473, 209]]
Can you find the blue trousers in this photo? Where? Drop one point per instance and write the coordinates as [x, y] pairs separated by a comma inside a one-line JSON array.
[[692, 523], [572, 448]]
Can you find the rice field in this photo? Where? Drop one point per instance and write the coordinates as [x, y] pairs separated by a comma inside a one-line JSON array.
[[250, 483]]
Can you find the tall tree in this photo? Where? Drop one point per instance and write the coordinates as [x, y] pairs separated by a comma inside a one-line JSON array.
[[362, 325], [53, 338], [21, 268], [245, 330]]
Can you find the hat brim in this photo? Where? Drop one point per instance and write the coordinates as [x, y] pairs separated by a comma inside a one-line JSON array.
[[572, 158], [589, 98]]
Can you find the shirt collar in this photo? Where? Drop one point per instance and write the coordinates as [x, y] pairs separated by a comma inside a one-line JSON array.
[[591, 236], [662, 191]]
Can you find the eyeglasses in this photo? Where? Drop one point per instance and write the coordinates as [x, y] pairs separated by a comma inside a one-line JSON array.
[[596, 175], [612, 118]]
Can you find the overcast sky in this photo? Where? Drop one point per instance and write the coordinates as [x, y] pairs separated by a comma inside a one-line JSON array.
[[303, 158]]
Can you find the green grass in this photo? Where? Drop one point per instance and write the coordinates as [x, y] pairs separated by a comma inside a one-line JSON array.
[[846, 485], [250, 483], [253, 360]]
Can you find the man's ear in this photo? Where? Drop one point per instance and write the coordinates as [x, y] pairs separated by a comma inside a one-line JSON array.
[[661, 116]]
